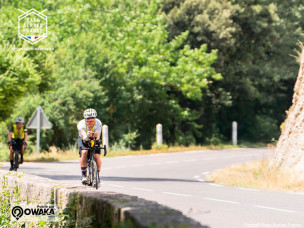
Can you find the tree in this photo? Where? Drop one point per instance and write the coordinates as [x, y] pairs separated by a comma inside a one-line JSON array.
[[252, 38], [114, 56]]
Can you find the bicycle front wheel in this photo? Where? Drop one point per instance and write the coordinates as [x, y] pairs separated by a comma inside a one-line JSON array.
[[89, 174], [16, 160], [95, 175]]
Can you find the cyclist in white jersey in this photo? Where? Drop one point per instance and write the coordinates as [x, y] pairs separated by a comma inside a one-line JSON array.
[[88, 127]]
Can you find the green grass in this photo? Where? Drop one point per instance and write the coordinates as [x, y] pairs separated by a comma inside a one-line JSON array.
[[258, 175], [56, 154]]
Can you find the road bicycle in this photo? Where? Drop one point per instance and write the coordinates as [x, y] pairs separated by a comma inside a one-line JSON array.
[[17, 145], [92, 172]]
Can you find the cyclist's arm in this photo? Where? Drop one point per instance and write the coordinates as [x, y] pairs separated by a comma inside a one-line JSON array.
[[10, 136], [25, 137], [83, 135], [97, 135], [98, 130]]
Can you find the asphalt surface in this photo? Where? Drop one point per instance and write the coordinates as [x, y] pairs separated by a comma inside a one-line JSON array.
[[178, 181]]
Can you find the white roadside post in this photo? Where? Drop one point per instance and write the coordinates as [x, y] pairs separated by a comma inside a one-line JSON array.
[[38, 130], [234, 133], [38, 121], [105, 135], [159, 134]]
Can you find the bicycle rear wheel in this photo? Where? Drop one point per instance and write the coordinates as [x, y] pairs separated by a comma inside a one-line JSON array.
[[16, 162]]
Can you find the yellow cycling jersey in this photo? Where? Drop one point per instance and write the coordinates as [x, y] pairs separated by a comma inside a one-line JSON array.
[[15, 133]]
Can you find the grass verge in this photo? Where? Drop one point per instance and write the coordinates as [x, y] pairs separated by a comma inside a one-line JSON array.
[[257, 175], [72, 154]]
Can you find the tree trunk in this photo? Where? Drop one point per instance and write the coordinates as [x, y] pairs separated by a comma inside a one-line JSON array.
[[289, 152]]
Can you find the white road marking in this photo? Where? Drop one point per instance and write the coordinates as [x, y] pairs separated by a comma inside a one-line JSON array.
[[115, 185], [144, 189], [202, 180], [121, 157], [207, 159], [196, 176], [216, 185], [156, 163], [219, 200], [192, 152], [205, 173], [161, 154], [177, 194], [171, 162], [121, 166], [249, 189], [273, 208], [296, 193], [231, 156], [248, 155], [190, 160]]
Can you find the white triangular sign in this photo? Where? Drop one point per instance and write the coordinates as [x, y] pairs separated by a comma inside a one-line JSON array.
[[33, 122]]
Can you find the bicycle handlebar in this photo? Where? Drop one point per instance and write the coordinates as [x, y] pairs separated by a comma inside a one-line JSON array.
[[104, 148], [97, 147], [85, 148]]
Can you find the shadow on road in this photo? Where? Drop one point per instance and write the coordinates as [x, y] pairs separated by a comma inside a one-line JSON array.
[[21, 169], [61, 177], [111, 178]]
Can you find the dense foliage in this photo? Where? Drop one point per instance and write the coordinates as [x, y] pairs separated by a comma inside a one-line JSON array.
[[254, 40], [192, 65]]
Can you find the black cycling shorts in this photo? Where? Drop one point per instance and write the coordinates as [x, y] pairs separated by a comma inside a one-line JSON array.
[[17, 144], [84, 144]]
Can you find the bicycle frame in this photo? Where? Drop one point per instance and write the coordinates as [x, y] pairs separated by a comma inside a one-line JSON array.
[[92, 166], [17, 151]]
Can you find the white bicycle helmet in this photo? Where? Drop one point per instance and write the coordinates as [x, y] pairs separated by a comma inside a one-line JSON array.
[[89, 113], [19, 120]]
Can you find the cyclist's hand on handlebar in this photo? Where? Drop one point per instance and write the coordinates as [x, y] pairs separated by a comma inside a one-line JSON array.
[[96, 135], [90, 134]]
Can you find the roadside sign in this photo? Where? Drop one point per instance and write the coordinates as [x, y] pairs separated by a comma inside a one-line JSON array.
[[37, 121], [38, 116]]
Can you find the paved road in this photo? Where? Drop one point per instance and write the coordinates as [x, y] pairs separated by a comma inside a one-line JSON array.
[[178, 180]]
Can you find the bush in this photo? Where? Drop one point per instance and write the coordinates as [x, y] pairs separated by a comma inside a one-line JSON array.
[[161, 147]]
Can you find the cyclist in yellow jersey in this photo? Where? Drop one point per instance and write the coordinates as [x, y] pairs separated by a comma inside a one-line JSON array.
[[17, 139]]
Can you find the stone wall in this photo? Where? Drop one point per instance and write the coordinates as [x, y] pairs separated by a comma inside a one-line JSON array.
[[87, 207]]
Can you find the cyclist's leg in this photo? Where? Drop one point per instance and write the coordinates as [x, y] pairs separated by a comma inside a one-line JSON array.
[[83, 158], [22, 152], [11, 156], [22, 149], [98, 161], [11, 152], [83, 163]]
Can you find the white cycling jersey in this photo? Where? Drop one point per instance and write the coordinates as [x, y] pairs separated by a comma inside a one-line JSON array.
[[83, 129]]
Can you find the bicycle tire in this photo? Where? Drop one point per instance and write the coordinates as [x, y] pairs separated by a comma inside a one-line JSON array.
[[16, 160], [95, 175], [105, 150], [89, 174]]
